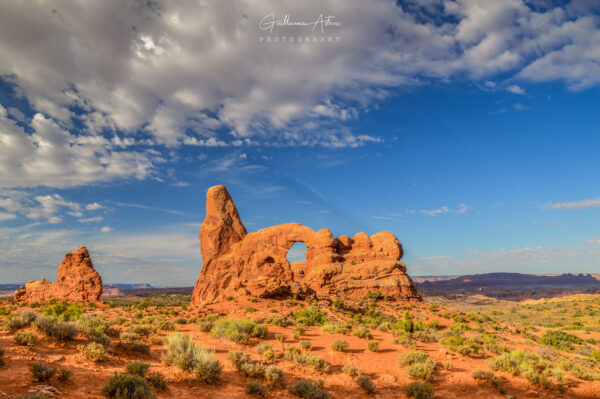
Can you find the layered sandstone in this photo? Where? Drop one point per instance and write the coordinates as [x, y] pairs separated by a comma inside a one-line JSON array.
[[238, 263], [77, 281]]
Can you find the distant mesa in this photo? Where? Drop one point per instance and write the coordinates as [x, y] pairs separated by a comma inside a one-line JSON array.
[[238, 263], [77, 282]]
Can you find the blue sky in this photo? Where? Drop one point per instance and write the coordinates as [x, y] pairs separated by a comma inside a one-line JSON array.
[[470, 131]]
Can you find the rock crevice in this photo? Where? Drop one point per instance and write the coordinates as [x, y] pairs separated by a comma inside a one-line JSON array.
[[238, 263]]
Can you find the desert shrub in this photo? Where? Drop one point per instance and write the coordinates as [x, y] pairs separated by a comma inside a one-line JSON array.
[[24, 319], [93, 351], [62, 312], [40, 371], [311, 360], [182, 352], [250, 309], [25, 338], [307, 390], [457, 342], [406, 323], [128, 386], [280, 337], [273, 375], [526, 364], [143, 331], [373, 346], [336, 328], [255, 387], [236, 357], [419, 365], [413, 357], [157, 380], [162, 324], [138, 367], [421, 371], [240, 331], [305, 344], [251, 369], [100, 338], [351, 370], [419, 390], [366, 383], [91, 324], [64, 331], [585, 373], [63, 374], [134, 346], [309, 317], [267, 351], [278, 321], [339, 345], [363, 332], [489, 377], [428, 335], [559, 339]]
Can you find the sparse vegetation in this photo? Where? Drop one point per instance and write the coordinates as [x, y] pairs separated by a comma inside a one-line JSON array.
[[128, 386], [307, 390]]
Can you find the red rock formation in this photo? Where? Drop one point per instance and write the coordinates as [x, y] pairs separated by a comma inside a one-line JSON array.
[[77, 282], [237, 263]]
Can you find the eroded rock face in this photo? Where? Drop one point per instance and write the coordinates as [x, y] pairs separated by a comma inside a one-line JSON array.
[[237, 263], [77, 282]]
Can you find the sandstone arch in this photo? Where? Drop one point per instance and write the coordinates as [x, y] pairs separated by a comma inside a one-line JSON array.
[[239, 263]]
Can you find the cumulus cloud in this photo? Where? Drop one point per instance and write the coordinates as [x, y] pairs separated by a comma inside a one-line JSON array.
[[588, 203], [515, 89], [94, 206], [50, 207], [91, 220], [433, 258], [106, 229], [185, 72]]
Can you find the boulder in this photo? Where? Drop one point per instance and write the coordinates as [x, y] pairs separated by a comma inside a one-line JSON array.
[[77, 281], [238, 263]]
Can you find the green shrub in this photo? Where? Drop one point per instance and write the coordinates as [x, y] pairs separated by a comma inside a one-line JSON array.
[[64, 331], [351, 370], [90, 325], [278, 321], [138, 367], [366, 383], [251, 369], [255, 387], [582, 372], [24, 319], [413, 357], [128, 386], [559, 339], [421, 371], [280, 337], [64, 374], [183, 353], [93, 351], [363, 332], [305, 344], [307, 390], [373, 346], [419, 390], [250, 309], [157, 380], [489, 377], [526, 364], [41, 371], [25, 338], [273, 375], [240, 331], [336, 328], [339, 345], [309, 317], [267, 351], [308, 359], [236, 357]]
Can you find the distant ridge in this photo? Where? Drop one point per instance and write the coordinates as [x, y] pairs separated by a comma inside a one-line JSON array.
[[129, 286], [515, 286]]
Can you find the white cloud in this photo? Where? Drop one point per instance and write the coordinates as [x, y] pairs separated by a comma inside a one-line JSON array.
[[94, 206], [6, 216], [187, 72], [106, 229], [51, 156], [49, 207], [91, 220], [461, 209], [516, 89], [588, 203]]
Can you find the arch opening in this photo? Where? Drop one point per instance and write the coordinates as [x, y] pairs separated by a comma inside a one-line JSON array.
[[297, 253]]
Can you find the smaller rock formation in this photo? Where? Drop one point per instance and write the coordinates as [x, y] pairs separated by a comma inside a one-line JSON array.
[[77, 282]]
